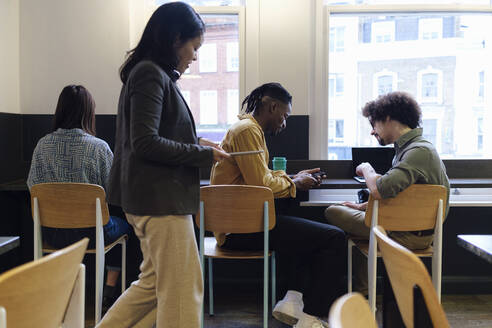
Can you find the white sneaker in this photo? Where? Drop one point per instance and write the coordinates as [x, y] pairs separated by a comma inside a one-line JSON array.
[[309, 321], [289, 309]]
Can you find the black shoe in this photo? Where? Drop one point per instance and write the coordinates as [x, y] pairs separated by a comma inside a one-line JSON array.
[[109, 297]]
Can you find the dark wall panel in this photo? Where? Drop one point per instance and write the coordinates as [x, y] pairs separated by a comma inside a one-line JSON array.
[[10, 147], [37, 126], [293, 142]]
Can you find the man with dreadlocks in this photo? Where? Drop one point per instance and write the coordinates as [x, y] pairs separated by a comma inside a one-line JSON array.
[[316, 250]]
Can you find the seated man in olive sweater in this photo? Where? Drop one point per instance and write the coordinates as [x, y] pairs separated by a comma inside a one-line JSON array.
[[317, 250], [395, 118]]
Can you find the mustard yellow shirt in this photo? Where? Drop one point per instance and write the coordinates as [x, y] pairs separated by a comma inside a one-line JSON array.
[[246, 135]]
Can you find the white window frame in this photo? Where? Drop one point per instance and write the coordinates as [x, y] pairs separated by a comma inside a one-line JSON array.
[[426, 25], [384, 72], [319, 115], [420, 96]]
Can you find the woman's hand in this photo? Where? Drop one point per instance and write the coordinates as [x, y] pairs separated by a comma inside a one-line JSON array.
[[209, 143], [220, 154]]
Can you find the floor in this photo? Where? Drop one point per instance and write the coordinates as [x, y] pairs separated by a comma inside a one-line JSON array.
[[243, 309]]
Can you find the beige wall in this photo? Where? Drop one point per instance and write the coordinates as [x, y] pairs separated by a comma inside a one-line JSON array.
[[9, 56], [71, 42], [68, 41], [285, 48]]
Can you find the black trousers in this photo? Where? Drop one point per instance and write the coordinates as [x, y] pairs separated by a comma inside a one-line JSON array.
[[316, 253]]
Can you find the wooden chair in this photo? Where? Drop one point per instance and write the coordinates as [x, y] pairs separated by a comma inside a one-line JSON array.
[[419, 207], [237, 209], [76, 205], [351, 311], [406, 270], [47, 292]]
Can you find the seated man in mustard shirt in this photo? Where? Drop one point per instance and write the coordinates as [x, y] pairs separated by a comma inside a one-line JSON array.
[[316, 250]]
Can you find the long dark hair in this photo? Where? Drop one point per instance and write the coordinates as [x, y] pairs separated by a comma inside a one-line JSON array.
[[75, 109], [171, 22], [273, 90]]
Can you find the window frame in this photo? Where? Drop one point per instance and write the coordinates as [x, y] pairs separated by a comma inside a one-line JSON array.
[[232, 10], [320, 117]]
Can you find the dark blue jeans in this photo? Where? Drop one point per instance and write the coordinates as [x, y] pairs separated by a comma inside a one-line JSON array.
[[114, 229], [316, 255]]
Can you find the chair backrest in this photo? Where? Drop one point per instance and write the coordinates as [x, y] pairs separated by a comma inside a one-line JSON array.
[[69, 205], [36, 294], [236, 208], [413, 209], [406, 270], [351, 311]]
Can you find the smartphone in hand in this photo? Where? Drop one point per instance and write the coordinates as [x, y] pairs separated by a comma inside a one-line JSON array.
[[320, 174]]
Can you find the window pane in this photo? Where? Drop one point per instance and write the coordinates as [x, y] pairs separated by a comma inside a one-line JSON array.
[[232, 105], [430, 130], [402, 2], [385, 84], [212, 108], [441, 59], [205, 2], [207, 58], [481, 81], [429, 85], [232, 56], [208, 107]]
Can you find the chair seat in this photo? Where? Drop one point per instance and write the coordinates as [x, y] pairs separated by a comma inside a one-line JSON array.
[[49, 249], [214, 251], [363, 245]]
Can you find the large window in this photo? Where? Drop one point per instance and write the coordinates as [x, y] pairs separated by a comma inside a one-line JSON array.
[[440, 58], [213, 81]]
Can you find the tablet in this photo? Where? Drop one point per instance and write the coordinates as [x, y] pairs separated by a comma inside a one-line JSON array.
[[251, 152]]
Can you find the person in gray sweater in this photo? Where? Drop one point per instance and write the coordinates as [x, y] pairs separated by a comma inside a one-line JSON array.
[[155, 173]]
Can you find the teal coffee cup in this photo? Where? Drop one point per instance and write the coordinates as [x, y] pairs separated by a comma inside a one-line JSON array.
[[279, 163]]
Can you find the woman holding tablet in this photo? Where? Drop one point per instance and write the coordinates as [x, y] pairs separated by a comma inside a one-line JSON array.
[[155, 173]]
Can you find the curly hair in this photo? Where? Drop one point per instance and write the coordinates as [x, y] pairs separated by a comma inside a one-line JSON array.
[[398, 106]]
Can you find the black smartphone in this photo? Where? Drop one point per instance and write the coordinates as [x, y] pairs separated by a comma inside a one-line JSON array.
[[319, 174]]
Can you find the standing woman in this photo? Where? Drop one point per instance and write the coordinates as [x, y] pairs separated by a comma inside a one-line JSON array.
[[155, 172]]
